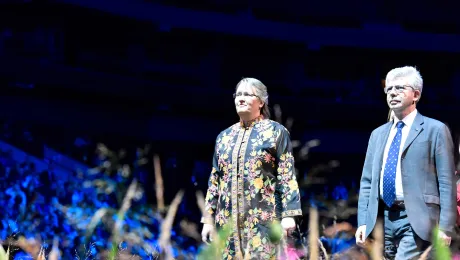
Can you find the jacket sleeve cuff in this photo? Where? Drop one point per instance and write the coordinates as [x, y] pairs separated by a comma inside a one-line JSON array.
[[291, 213]]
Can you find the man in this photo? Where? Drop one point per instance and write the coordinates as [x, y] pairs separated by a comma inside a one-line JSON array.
[[408, 174]]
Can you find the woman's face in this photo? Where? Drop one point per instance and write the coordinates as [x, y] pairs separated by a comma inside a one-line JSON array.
[[246, 102]]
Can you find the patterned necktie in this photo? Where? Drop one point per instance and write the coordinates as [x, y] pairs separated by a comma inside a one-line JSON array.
[[389, 174]]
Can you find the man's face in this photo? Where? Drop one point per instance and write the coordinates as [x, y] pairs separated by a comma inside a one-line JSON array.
[[400, 94]]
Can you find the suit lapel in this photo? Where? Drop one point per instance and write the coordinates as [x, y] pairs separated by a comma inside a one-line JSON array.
[[415, 130]]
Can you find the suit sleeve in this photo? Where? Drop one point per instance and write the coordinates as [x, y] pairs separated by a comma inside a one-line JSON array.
[[445, 168], [365, 183], [287, 185]]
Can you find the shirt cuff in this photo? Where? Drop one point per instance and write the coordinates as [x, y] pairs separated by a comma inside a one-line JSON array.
[[207, 220]]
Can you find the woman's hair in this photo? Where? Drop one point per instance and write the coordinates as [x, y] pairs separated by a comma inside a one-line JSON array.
[[260, 90]]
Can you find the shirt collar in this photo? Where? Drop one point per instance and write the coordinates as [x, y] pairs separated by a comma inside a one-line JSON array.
[[252, 122], [408, 120]]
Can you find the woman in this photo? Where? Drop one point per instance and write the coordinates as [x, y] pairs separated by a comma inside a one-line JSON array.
[[252, 182]]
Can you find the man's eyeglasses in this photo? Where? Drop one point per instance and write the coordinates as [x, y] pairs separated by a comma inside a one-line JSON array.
[[398, 89], [244, 94]]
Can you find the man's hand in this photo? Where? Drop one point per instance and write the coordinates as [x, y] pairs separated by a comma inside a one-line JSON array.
[[361, 236], [446, 239], [207, 233], [288, 225]]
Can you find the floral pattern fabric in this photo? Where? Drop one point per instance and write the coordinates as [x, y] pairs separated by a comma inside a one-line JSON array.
[[252, 183]]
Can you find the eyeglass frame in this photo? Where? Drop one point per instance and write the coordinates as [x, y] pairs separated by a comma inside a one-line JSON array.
[[245, 94], [398, 91]]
